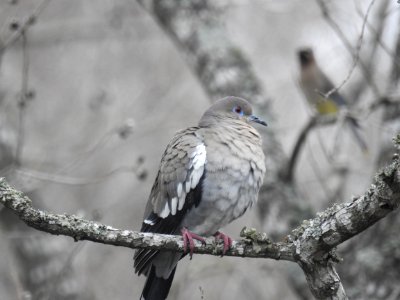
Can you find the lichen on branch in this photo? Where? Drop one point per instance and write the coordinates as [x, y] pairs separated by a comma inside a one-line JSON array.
[[311, 245]]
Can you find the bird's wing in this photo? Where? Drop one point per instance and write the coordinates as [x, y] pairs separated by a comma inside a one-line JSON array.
[[327, 86], [181, 169], [177, 188]]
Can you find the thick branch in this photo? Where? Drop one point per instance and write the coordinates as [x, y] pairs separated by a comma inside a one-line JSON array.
[[321, 234], [81, 229], [310, 245], [316, 238]]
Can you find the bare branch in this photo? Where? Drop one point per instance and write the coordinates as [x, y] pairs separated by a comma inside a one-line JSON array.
[[377, 32], [81, 229], [122, 130], [355, 53], [22, 99], [70, 180], [395, 72], [316, 120], [31, 19]]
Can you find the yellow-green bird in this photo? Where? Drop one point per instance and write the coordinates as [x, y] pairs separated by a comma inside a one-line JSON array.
[[315, 84]]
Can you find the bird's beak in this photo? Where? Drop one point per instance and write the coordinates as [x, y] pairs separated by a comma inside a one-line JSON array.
[[255, 119]]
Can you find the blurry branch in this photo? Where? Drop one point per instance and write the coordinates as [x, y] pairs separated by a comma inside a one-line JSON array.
[[58, 277], [196, 30], [386, 102], [391, 103], [378, 32], [311, 245], [316, 120], [123, 131], [221, 67], [69, 180], [320, 177], [22, 100], [395, 72], [20, 29], [377, 29], [355, 53]]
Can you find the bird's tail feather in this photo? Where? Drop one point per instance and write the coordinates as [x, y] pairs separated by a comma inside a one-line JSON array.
[[355, 128], [157, 288]]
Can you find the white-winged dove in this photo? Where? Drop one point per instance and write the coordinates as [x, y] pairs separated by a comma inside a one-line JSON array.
[[209, 175], [315, 84]]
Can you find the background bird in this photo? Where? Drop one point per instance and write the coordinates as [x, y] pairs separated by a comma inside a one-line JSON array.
[[209, 175], [315, 84]]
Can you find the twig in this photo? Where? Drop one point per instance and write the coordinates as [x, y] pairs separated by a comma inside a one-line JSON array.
[[355, 53], [24, 26], [314, 121], [329, 154], [122, 130], [395, 72], [378, 34], [22, 100], [52, 293], [21, 32], [389, 102], [318, 174], [358, 88], [69, 180]]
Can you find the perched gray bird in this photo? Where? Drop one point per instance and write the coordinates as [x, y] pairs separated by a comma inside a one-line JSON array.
[[315, 84], [209, 175]]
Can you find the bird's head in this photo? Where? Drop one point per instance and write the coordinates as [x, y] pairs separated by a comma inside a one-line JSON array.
[[306, 56], [230, 108]]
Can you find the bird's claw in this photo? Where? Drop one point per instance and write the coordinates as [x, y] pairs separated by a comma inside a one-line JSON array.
[[188, 238], [226, 240]]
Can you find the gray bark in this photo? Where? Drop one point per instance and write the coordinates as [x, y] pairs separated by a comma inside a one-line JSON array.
[[312, 245]]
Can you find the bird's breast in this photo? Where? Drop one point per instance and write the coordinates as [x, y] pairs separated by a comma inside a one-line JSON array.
[[233, 175]]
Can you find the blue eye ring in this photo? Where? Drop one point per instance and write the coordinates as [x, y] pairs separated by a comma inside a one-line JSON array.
[[238, 110]]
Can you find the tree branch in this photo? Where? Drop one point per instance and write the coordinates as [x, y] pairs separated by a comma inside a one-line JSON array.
[[354, 52], [315, 121], [31, 19], [311, 245], [81, 229]]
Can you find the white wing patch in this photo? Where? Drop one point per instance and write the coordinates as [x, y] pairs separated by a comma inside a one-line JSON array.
[[165, 212], [179, 189], [199, 156], [174, 204], [149, 222], [196, 170]]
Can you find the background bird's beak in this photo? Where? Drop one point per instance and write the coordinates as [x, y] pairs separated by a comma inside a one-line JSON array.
[[255, 119]]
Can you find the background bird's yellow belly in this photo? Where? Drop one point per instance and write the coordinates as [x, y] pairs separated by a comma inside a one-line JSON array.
[[326, 107]]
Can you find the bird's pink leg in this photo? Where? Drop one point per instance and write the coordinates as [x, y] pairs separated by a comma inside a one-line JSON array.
[[226, 239], [188, 238]]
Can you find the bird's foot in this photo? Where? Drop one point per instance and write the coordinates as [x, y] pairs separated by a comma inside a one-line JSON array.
[[226, 239], [188, 238]]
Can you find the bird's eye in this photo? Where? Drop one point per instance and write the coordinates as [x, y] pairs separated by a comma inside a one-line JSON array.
[[238, 110]]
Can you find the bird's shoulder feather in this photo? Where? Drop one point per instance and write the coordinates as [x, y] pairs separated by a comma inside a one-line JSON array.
[[181, 168]]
